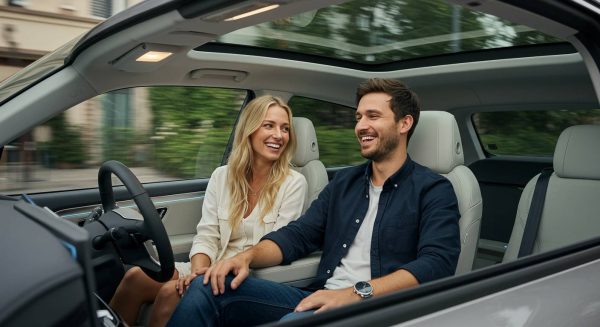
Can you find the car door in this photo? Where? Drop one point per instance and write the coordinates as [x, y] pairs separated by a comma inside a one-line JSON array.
[[172, 138]]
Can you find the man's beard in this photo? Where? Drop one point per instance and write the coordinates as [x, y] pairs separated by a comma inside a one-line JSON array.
[[387, 146]]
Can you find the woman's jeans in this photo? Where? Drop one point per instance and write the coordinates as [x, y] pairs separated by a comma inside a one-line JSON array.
[[255, 302]]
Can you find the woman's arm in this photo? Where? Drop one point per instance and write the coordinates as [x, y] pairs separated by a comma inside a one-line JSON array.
[[208, 234], [199, 261]]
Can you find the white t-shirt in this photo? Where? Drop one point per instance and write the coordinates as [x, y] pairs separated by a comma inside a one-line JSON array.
[[356, 265]]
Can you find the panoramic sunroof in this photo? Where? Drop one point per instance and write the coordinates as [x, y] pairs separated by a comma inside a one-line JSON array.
[[379, 32]]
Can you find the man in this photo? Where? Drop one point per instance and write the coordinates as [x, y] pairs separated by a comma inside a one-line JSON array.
[[383, 226]]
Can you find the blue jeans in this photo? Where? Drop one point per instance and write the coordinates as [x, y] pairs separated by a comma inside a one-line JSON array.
[[255, 302]]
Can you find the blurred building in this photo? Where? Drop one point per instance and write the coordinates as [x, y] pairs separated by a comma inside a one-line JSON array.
[[31, 28]]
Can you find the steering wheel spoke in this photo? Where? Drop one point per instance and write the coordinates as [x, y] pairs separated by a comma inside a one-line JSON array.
[[128, 229]]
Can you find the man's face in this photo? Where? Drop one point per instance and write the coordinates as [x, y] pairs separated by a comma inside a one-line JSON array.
[[377, 132]]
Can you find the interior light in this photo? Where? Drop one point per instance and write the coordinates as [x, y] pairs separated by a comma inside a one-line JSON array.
[[252, 13], [153, 56]]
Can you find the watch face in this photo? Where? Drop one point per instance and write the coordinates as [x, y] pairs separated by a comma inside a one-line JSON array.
[[364, 288]]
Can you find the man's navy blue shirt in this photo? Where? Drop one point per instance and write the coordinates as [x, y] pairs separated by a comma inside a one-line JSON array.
[[416, 227]]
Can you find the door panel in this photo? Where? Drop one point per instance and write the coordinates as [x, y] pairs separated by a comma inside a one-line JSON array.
[[181, 199]]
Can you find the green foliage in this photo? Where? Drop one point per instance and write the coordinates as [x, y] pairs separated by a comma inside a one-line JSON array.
[[189, 107], [338, 147], [191, 153], [391, 30], [527, 132], [66, 145], [334, 125], [118, 144], [192, 127]]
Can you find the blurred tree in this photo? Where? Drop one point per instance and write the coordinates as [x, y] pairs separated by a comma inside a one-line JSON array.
[[334, 125], [382, 31], [527, 132], [192, 126], [65, 149]]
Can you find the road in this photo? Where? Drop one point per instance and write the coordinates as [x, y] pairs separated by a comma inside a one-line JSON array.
[[17, 180]]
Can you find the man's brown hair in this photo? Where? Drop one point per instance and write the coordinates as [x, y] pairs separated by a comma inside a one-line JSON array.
[[404, 101]]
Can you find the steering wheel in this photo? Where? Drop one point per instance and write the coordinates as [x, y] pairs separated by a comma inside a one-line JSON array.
[[127, 230]]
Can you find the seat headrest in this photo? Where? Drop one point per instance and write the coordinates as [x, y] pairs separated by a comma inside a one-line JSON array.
[[576, 154], [436, 142], [307, 147]]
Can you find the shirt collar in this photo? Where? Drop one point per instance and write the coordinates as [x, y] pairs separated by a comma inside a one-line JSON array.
[[396, 178]]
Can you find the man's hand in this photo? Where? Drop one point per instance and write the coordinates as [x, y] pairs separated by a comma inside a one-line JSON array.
[[327, 299], [238, 265]]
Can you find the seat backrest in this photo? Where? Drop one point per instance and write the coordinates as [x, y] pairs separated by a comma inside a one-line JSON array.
[[570, 212], [306, 158], [436, 144]]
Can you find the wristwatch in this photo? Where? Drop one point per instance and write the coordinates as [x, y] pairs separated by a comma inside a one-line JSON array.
[[363, 289]]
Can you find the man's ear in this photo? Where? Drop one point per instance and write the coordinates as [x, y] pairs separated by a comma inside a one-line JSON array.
[[406, 123]]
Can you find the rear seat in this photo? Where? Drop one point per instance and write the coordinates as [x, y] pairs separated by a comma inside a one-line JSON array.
[[570, 211]]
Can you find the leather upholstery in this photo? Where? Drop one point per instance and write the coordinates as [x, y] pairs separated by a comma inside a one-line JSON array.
[[306, 158], [576, 154], [571, 207], [436, 144]]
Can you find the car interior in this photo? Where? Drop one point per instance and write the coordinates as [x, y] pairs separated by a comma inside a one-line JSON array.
[[573, 187], [458, 91]]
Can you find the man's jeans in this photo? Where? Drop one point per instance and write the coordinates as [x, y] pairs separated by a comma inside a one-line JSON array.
[[255, 302]]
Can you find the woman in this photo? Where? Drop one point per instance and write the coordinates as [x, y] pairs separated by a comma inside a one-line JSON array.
[[255, 193]]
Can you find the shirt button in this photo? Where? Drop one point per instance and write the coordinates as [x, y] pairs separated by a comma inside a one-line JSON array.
[[395, 185], [367, 196], [328, 271], [357, 221], [344, 245]]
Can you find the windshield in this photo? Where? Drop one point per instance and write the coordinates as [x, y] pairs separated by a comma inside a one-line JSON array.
[[34, 72], [379, 32], [26, 27]]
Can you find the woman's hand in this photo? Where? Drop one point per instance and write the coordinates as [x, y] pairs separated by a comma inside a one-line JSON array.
[[184, 282]]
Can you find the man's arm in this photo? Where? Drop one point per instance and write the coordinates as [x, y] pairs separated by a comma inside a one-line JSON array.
[[438, 245], [328, 299], [264, 254], [395, 281]]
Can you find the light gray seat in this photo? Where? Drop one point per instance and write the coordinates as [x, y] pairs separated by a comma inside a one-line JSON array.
[[436, 144], [306, 158], [571, 209], [306, 161]]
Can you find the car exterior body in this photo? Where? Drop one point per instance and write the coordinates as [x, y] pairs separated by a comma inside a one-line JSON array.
[[499, 67]]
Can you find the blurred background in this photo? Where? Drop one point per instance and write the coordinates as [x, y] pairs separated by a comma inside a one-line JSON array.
[[170, 132]]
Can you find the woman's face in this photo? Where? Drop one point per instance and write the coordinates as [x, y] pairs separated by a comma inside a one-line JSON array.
[[273, 135]]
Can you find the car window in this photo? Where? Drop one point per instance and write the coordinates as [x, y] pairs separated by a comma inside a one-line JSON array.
[[334, 125], [527, 133], [379, 32], [162, 133]]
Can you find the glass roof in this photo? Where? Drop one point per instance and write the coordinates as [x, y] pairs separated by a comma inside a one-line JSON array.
[[383, 31]]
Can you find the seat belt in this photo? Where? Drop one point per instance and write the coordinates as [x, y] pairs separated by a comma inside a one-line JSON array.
[[535, 213]]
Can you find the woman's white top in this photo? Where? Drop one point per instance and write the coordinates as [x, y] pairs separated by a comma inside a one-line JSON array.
[[214, 236]]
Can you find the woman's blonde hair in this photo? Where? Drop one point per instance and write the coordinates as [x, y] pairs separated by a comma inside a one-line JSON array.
[[241, 158]]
